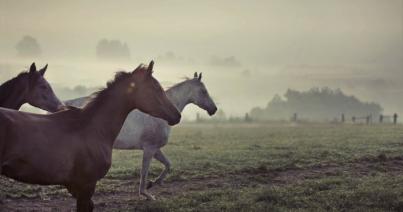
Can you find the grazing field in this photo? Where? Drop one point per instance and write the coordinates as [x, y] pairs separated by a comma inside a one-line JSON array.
[[249, 167]]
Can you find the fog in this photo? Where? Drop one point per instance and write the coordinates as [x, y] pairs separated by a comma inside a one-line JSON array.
[[248, 51]]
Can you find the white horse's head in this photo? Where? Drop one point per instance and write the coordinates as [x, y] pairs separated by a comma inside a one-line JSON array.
[[200, 96]]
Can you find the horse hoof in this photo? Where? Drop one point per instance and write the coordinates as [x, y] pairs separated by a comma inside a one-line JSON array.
[[148, 197], [151, 198]]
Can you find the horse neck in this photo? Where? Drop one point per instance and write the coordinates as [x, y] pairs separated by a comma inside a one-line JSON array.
[[179, 96], [107, 116], [12, 96]]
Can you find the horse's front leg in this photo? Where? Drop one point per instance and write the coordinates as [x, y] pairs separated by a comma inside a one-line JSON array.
[[147, 157], [159, 155], [83, 195], [2, 146]]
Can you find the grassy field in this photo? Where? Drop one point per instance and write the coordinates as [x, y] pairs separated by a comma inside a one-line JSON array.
[[249, 167]]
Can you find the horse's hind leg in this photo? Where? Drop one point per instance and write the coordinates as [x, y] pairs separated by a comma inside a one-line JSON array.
[[159, 155], [83, 194]]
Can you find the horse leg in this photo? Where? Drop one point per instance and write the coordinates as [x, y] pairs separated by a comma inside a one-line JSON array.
[[147, 157], [159, 155], [1, 165], [83, 194], [72, 190], [2, 149], [2, 146], [84, 202]]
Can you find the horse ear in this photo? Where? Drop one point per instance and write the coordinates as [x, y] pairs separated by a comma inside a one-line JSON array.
[[200, 76], [150, 67], [32, 69], [195, 75], [43, 70]]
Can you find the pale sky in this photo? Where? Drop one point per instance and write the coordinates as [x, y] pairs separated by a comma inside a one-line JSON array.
[[355, 45]]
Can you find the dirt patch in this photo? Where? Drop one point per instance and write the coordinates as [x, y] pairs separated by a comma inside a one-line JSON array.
[[365, 166], [125, 190]]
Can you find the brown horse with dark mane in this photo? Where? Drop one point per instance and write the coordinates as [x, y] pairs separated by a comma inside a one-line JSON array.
[[74, 147], [29, 87]]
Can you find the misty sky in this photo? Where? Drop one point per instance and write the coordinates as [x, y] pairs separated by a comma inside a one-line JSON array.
[[248, 50]]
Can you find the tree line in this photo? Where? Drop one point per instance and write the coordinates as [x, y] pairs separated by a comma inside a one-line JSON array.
[[29, 47], [316, 104]]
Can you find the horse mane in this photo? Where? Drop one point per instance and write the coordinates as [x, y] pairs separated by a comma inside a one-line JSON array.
[[185, 80], [7, 87], [72, 113], [100, 95]]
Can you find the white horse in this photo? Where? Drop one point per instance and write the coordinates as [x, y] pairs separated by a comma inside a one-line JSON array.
[[142, 131]]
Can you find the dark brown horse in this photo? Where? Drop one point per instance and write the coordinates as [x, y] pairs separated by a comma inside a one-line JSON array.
[[29, 87], [74, 147]]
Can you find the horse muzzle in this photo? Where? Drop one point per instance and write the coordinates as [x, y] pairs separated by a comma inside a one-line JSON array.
[[175, 120], [212, 111]]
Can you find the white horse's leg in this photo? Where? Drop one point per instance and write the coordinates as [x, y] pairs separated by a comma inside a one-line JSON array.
[[147, 157], [159, 155]]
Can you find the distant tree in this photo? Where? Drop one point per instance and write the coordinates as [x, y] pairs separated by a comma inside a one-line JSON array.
[[112, 50], [315, 104], [170, 55], [230, 61], [28, 47], [247, 118], [80, 90]]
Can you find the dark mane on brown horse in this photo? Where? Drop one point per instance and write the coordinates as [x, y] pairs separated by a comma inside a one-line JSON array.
[[97, 98], [102, 94], [72, 114]]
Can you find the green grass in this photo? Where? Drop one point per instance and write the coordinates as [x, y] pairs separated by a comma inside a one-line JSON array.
[[253, 167]]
